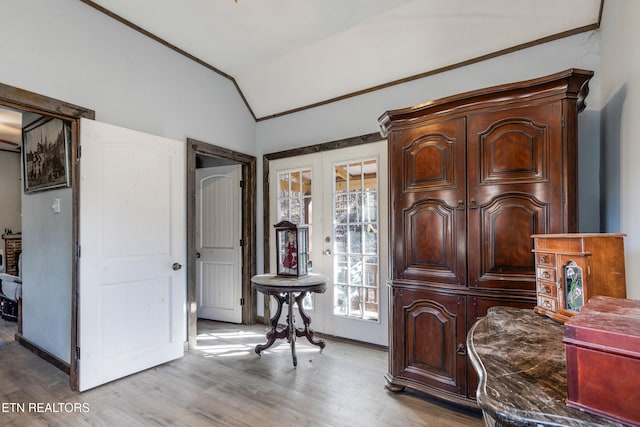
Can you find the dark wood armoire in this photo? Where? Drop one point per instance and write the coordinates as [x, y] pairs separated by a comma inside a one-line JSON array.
[[472, 177]]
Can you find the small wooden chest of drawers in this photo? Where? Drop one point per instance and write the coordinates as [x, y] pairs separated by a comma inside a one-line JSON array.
[[572, 268]]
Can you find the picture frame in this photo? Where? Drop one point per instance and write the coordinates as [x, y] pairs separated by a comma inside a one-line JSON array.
[[45, 155]]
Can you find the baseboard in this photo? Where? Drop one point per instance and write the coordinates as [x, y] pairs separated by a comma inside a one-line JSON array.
[[43, 354]]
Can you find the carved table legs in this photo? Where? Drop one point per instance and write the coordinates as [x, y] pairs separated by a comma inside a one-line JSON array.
[[290, 332]]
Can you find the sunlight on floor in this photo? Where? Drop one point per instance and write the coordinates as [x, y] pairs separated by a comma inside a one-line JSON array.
[[236, 343]]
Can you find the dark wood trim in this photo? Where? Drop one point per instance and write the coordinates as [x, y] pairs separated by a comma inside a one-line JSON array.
[[311, 149], [75, 225], [24, 100], [600, 13], [43, 354], [6, 141], [10, 151], [326, 146], [475, 60], [266, 303], [195, 148], [440, 70]]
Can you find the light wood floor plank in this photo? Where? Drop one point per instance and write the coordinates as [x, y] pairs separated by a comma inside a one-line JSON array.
[[223, 383]]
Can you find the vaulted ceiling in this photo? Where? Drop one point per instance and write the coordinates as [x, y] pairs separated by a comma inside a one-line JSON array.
[[288, 55]]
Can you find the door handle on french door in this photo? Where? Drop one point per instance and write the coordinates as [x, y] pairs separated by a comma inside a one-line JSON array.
[[177, 266], [326, 252]]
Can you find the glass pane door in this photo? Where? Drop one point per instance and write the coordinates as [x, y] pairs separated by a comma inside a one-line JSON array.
[[342, 196], [294, 204], [355, 237]]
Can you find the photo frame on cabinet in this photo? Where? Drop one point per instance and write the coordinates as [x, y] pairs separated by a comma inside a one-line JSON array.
[[45, 155]]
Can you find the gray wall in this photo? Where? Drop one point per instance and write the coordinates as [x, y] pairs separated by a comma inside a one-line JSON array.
[[620, 130], [46, 263], [69, 51], [358, 116]]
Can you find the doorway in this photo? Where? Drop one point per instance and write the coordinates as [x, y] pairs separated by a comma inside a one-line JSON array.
[[201, 154], [28, 102], [369, 330], [336, 194]]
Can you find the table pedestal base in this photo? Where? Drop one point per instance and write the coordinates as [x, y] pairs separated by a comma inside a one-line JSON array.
[[290, 332]]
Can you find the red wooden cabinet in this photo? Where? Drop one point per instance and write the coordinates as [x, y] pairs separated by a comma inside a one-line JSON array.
[[602, 345], [472, 176]]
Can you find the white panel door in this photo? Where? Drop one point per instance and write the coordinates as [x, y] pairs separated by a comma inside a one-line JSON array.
[[218, 223], [132, 287]]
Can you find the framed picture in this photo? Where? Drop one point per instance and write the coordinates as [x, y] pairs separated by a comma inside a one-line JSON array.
[[45, 154]]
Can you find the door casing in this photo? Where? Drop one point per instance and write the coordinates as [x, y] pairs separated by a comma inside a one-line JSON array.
[[326, 146], [24, 100], [195, 148]]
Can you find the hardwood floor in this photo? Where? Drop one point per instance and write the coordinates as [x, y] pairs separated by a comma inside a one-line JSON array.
[[223, 383]]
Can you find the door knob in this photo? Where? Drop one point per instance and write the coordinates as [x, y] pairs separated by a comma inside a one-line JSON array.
[[197, 254], [177, 266]]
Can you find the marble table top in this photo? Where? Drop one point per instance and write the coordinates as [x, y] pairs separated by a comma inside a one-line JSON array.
[[520, 360], [312, 282]]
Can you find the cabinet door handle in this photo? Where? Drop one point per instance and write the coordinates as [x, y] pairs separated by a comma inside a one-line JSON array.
[[461, 350], [473, 204], [460, 205]]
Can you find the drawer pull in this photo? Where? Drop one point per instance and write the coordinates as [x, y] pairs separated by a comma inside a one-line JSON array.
[[545, 275], [545, 290], [546, 304], [544, 259]]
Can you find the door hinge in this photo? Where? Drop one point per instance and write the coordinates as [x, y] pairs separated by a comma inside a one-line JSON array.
[[562, 121], [79, 151], [241, 184], [241, 243], [78, 352], [78, 250], [241, 301]]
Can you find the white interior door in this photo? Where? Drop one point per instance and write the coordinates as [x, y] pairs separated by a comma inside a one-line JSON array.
[[313, 177], [132, 248], [218, 233]]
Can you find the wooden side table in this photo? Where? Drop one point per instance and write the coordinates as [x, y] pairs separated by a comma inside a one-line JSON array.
[[289, 290]]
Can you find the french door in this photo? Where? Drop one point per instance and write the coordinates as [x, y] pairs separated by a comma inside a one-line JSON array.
[[342, 196]]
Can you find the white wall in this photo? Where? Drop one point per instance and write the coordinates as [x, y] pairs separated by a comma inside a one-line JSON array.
[[69, 51], [10, 192], [620, 92], [359, 115]]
